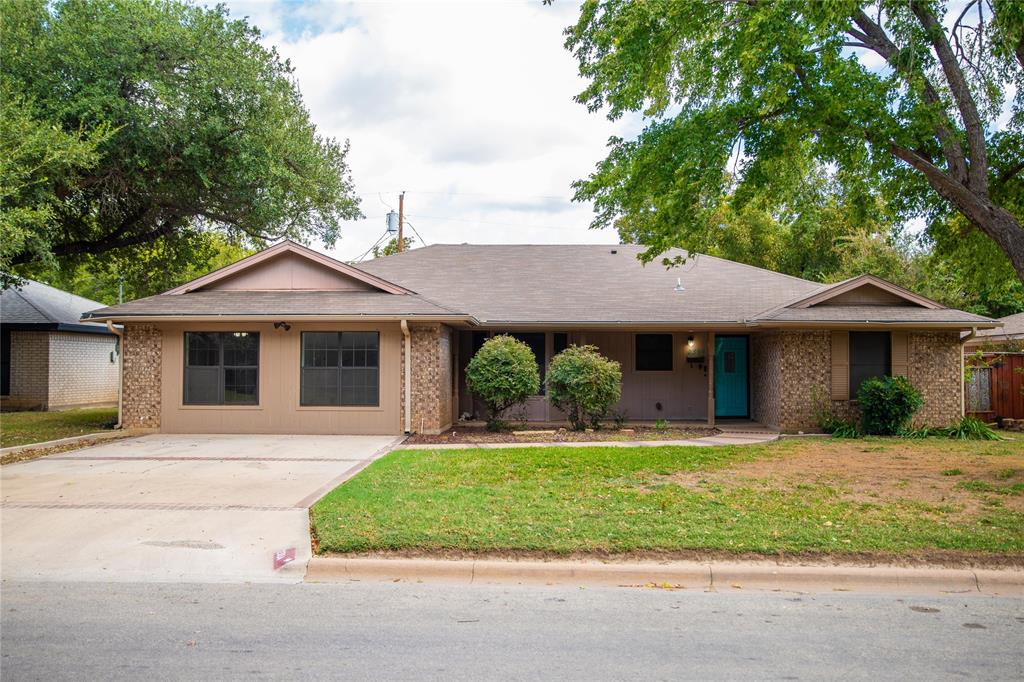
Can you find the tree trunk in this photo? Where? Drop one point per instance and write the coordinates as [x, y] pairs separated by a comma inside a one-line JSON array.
[[999, 224]]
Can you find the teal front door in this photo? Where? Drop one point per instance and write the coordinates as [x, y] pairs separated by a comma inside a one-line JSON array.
[[731, 354]]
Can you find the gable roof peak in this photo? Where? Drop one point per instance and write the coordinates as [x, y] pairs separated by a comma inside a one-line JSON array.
[[288, 246]]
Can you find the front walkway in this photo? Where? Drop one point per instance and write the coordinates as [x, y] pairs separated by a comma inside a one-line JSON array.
[[173, 508]]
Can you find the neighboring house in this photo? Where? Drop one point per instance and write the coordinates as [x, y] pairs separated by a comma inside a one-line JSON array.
[[291, 341], [995, 380], [51, 359]]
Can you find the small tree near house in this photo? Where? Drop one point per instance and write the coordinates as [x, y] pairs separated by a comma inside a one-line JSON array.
[[503, 374], [584, 384]]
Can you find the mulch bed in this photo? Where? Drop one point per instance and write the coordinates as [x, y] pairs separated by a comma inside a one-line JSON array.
[[477, 434]]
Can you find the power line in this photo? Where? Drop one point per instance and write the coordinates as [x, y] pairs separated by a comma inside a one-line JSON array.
[[416, 232], [372, 246]]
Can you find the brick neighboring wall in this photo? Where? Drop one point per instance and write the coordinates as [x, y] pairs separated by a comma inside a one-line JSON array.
[[431, 378], [81, 371], [934, 369], [30, 369], [142, 347], [790, 370]]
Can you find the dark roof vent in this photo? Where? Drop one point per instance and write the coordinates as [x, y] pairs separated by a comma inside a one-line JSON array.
[[614, 251]]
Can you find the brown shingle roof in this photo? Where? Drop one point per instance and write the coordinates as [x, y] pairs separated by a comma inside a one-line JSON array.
[[585, 283], [1013, 328], [276, 304], [885, 314]]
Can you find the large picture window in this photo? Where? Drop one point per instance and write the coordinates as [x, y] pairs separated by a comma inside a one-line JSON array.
[[340, 369], [536, 342], [222, 368], [653, 353], [870, 356]]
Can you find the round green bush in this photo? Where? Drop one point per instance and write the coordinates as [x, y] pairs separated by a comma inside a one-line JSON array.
[[503, 373], [887, 404], [584, 384]]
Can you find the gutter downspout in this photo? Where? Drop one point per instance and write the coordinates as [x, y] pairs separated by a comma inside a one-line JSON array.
[[120, 370], [963, 371], [408, 376]]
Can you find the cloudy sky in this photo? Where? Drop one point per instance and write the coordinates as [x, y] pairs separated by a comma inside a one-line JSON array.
[[467, 106]]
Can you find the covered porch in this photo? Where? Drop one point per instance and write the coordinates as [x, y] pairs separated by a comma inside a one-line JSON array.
[[668, 375]]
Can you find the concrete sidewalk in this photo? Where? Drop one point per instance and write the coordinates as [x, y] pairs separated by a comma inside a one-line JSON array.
[[721, 576]]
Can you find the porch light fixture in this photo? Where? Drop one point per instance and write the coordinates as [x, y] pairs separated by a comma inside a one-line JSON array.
[[282, 325], [689, 341]]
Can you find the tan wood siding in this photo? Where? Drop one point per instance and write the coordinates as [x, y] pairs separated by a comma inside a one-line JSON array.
[[840, 365], [900, 355]]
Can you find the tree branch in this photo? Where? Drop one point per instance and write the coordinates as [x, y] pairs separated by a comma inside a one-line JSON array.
[[977, 172], [873, 34]]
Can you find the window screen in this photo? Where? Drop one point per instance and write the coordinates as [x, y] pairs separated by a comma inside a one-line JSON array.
[[654, 352], [869, 357], [222, 368], [536, 342], [979, 390], [340, 368]]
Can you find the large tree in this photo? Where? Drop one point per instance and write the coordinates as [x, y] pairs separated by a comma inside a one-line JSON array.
[[900, 101], [159, 120]]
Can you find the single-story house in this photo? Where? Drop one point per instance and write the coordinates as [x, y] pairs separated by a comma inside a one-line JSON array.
[[51, 360], [291, 341], [995, 382]]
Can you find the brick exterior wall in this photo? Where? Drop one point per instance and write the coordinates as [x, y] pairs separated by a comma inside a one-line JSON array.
[[765, 378], [934, 369], [791, 369], [81, 370], [142, 346], [30, 369], [431, 378]]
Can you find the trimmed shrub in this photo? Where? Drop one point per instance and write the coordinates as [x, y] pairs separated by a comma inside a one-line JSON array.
[[584, 384], [887, 404], [503, 373]]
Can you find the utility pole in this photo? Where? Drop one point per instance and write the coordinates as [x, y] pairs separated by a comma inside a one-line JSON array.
[[401, 220]]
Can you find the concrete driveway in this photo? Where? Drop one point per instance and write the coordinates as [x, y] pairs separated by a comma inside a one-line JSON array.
[[173, 508]]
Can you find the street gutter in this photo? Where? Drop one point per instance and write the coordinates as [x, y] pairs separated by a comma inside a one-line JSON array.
[[713, 576]]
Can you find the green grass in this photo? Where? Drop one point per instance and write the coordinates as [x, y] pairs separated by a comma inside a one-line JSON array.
[[22, 428], [617, 500]]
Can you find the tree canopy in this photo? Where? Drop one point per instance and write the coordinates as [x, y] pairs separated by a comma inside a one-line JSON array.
[[132, 123], [749, 100]]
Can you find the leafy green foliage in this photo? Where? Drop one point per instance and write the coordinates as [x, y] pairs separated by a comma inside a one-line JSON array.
[[502, 374], [392, 247], [972, 428], [745, 102], [886, 404], [155, 120], [584, 384], [146, 269]]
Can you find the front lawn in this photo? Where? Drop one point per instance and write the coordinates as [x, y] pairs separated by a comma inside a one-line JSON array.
[[21, 428], [875, 496]]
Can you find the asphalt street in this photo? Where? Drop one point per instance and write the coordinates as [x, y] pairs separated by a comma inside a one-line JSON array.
[[54, 631]]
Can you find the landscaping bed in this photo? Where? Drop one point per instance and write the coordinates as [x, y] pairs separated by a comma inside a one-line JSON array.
[[933, 499], [478, 434], [22, 428]]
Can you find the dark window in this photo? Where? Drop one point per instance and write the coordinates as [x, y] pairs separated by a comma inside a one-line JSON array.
[[340, 368], [559, 342], [222, 368], [654, 352], [536, 342], [5, 362], [869, 357]]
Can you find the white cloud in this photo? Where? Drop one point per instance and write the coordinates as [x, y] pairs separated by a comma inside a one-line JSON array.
[[466, 106]]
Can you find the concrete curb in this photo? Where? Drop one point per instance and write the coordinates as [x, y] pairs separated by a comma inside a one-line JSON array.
[[707, 441], [99, 436], [722, 576]]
